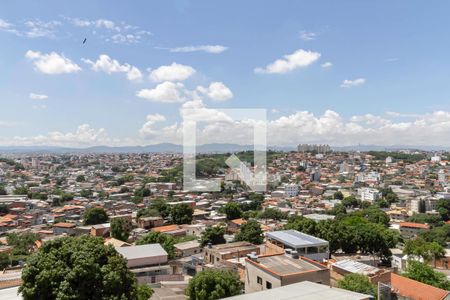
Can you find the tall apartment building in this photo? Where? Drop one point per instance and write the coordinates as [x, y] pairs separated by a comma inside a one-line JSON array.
[[314, 148]]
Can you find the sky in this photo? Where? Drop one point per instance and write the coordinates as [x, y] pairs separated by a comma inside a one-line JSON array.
[[336, 72]]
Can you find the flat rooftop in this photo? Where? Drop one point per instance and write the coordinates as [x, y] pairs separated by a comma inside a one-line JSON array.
[[285, 265], [304, 290], [356, 267], [233, 247], [142, 251], [296, 239]]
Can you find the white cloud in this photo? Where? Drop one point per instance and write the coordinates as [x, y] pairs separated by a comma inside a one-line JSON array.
[[347, 83], [173, 72], [165, 92], [8, 27], [303, 126], [215, 49], [115, 32], [307, 36], [83, 136], [299, 59], [105, 64], [147, 130], [108, 24], [38, 96], [52, 63], [216, 91], [38, 28], [326, 65]]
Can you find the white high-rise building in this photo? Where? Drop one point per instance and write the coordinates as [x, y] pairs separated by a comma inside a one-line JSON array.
[[369, 194], [291, 190]]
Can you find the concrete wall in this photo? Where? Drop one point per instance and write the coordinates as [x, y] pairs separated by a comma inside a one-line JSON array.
[[147, 261]]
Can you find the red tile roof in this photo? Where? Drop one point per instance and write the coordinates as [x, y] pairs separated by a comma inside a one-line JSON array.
[[414, 225], [416, 290]]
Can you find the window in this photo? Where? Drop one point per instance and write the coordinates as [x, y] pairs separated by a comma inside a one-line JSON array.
[[268, 285], [259, 280]]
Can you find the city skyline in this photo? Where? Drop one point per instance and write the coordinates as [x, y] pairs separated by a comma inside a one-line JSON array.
[[128, 82]]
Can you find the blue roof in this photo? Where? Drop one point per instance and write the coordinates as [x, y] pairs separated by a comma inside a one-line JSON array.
[[296, 239]]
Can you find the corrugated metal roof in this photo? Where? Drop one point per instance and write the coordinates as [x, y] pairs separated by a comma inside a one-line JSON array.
[[141, 251], [356, 267], [296, 238]]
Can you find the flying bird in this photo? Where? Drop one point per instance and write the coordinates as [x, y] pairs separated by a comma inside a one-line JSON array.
[[84, 42]]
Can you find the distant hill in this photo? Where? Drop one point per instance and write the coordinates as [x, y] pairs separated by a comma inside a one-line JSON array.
[[157, 148], [207, 148]]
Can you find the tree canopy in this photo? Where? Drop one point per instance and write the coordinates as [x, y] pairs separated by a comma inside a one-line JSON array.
[[427, 250], [94, 216], [77, 268], [181, 213], [357, 283], [232, 210], [166, 241], [250, 232], [214, 284], [423, 273], [213, 235], [120, 229]]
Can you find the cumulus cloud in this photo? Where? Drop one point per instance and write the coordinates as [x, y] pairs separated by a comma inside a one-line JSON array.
[[52, 63], [108, 65], [165, 92], [299, 59], [173, 72], [347, 83], [83, 136], [147, 130], [215, 126], [216, 91], [215, 49], [326, 65], [38, 96]]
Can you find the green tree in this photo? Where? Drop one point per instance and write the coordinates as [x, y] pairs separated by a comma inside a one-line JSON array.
[[214, 284], [181, 213], [23, 190], [273, 213], [94, 216], [251, 232], [77, 268], [80, 178], [4, 209], [433, 220], [86, 193], [120, 229], [443, 207], [2, 190], [420, 248], [4, 260], [357, 283], [144, 292], [160, 205], [423, 273], [350, 201], [301, 224], [147, 212], [22, 243], [338, 195], [166, 241], [232, 210], [213, 235]]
